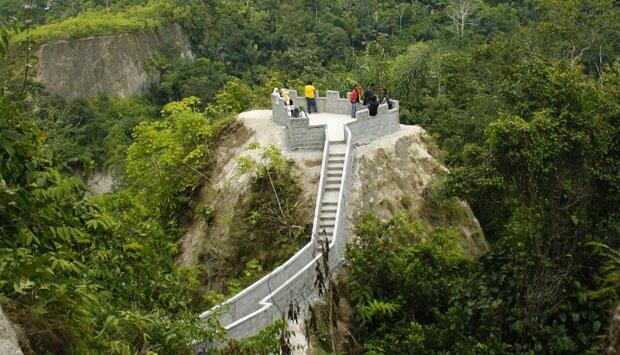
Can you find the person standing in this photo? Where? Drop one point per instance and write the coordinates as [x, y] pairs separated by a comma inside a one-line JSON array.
[[288, 102], [355, 99], [373, 106], [370, 92], [310, 92], [384, 98]]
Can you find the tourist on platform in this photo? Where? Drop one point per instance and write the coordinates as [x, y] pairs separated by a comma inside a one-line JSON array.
[[288, 102], [384, 98], [370, 92], [373, 105], [310, 92], [355, 99]]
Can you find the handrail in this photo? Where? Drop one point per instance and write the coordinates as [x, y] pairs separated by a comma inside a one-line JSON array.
[[334, 246], [319, 196], [266, 278], [259, 304], [341, 207]]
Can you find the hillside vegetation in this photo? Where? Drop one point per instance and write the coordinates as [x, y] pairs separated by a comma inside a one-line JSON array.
[[522, 97]]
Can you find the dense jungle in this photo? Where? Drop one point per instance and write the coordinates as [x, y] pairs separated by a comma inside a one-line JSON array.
[[521, 97]]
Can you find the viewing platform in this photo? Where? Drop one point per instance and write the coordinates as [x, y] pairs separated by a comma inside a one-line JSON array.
[[336, 133], [334, 114]]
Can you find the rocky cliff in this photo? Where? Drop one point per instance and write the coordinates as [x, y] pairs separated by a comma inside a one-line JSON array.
[[391, 175], [210, 243], [398, 173], [8, 339], [115, 65]]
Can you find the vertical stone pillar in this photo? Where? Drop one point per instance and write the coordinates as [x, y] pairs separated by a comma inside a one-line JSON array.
[[331, 104]]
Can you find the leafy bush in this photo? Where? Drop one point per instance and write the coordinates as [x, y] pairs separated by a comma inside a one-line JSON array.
[[167, 157], [272, 224], [95, 133], [82, 275], [401, 281]]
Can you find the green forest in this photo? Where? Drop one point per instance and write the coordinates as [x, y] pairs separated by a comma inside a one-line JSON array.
[[522, 97]]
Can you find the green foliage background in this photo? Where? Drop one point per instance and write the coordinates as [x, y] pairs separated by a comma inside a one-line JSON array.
[[524, 103]]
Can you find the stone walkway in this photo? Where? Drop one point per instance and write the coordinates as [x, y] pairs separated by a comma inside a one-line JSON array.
[[335, 124]]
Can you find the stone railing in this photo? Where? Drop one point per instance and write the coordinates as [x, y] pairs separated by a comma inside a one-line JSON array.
[[339, 240], [331, 102], [262, 302], [365, 128], [267, 300]]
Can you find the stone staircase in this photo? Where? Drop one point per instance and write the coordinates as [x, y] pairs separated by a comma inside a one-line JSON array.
[[334, 174], [267, 299], [333, 184]]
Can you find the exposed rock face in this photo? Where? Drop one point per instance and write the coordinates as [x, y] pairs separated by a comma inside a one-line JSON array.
[[390, 175], [100, 183], [395, 173], [115, 65], [8, 340], [228, 189]]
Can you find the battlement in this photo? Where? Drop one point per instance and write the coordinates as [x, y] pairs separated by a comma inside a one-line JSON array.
[[303, 134], [293, 282]]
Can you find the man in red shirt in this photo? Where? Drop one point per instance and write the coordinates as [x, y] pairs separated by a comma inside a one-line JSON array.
[[355, 99]]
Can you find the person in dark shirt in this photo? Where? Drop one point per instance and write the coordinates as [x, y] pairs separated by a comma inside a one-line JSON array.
[[384, 98], [370, 92], [373, 105]]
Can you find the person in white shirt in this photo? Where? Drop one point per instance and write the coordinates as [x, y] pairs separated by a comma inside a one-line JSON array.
[[288, 102]]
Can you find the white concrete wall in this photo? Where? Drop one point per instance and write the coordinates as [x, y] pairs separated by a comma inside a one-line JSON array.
[[300, 285], [267, 300], [366, 128]]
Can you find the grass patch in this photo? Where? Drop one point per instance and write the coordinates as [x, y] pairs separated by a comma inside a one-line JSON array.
[[96, 23]]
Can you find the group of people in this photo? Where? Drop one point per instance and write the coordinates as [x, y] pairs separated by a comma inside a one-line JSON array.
[[370, 100], [288, 102]]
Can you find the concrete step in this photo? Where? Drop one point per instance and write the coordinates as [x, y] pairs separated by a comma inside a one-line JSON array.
[[334, 175], [328, 209], [336, 155], [335, 188], [332, 168], [329, 230], [337, 149], [331, 181], [330, 197], [331, 161], [328, 216]]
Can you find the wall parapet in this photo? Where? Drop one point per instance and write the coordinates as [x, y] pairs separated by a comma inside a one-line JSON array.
[[267, 300], [366, 128], [302, 135]]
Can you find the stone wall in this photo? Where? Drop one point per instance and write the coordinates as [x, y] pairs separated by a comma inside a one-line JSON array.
[[331, 103], [366, 128], [267, 300], [299, 133], [303, 136]]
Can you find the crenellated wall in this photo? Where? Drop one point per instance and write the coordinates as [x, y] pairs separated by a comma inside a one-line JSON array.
[[267, 299], [366, 128], [302, 135]]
